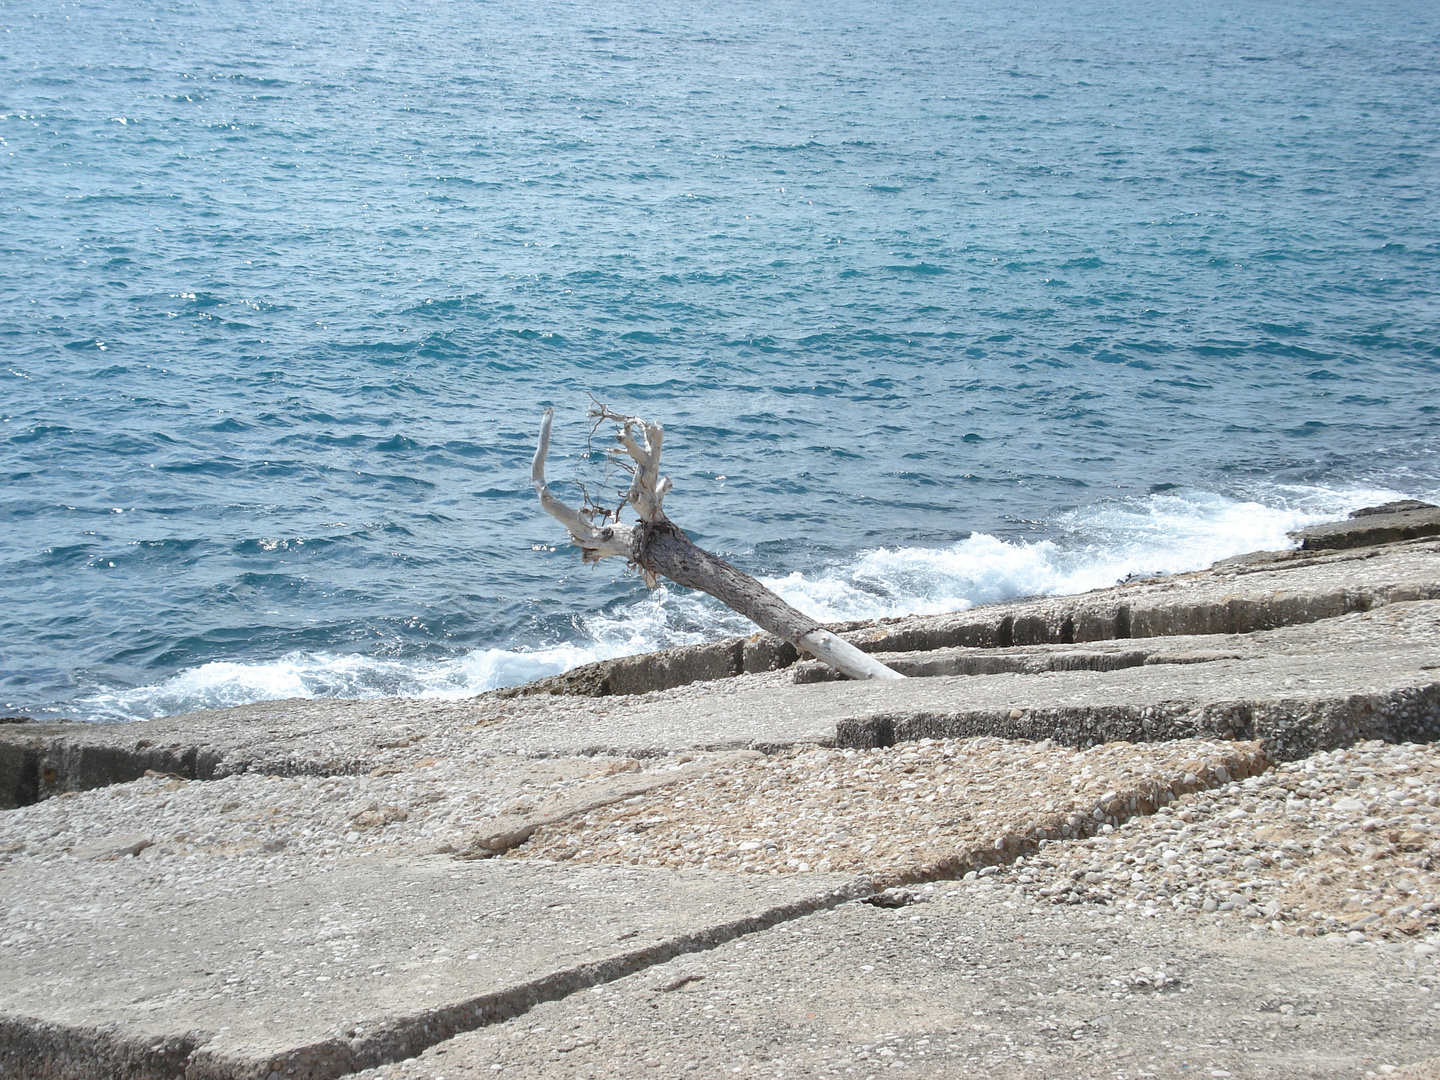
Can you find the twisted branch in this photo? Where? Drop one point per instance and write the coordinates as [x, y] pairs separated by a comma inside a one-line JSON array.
[[658, 548]]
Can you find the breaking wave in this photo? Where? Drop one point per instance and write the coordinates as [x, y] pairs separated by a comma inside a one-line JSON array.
[[1087, 548]]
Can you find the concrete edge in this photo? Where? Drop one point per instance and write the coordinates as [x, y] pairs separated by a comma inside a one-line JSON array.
[[1294, 727], [35, 1049], [1053, 621], [1291, 728], [1389, 524], [1103, 615], [45, 760]]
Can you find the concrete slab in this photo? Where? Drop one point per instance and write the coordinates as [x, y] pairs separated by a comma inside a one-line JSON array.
[[433, 807], [977, 982], [1365, 675], [297, 914], [312, 969]]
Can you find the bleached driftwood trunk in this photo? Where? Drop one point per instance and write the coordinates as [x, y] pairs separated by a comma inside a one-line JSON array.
[[658, 548]]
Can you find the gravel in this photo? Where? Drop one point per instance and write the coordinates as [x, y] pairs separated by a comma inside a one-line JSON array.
[[914, 811], [1345, 842]]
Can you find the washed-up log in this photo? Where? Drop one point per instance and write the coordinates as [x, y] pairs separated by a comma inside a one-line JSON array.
[[658, 548]]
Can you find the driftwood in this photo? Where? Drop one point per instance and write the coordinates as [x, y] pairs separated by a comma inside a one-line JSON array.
[[657, 547]]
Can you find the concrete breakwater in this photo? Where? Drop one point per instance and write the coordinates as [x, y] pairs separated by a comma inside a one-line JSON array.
[[1228, 771], [1206, 603]]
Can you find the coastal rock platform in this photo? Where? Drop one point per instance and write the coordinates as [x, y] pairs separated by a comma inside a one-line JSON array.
[[1185, 826]]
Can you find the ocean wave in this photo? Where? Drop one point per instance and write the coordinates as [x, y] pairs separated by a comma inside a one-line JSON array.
[[226, 684], [1088, 548], [1092, 547]]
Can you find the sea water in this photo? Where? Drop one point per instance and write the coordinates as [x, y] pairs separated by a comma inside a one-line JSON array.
[[940, 304]]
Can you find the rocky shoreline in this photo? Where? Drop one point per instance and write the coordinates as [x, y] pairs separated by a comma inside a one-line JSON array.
[[1232, 771]]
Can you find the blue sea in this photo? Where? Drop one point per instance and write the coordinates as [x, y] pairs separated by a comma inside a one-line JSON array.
[[939, 304]]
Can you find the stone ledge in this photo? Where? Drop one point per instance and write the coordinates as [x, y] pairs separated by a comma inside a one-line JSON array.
[[1290, 728], [1378, 525]]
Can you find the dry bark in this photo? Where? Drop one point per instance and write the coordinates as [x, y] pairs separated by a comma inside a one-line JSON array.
[[658, 548]]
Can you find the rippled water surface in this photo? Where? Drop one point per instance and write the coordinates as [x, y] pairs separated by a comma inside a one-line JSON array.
[[939, 304]]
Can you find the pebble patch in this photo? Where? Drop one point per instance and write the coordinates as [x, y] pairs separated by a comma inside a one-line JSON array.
[[932, 808], [1345, 842]]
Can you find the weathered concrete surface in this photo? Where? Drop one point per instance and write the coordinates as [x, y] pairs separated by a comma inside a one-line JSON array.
[[1361, 676], [120, 965], [315, 969], [256, 926], [331, 737], [760, 652], [166, 927], [976, 983]]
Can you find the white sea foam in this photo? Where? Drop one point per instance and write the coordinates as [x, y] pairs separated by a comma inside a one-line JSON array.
[[222, 684], [1092, 547], [1088, 548]]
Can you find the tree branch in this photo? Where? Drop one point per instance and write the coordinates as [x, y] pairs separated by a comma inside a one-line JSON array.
[[594, 543], [658, 548]]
